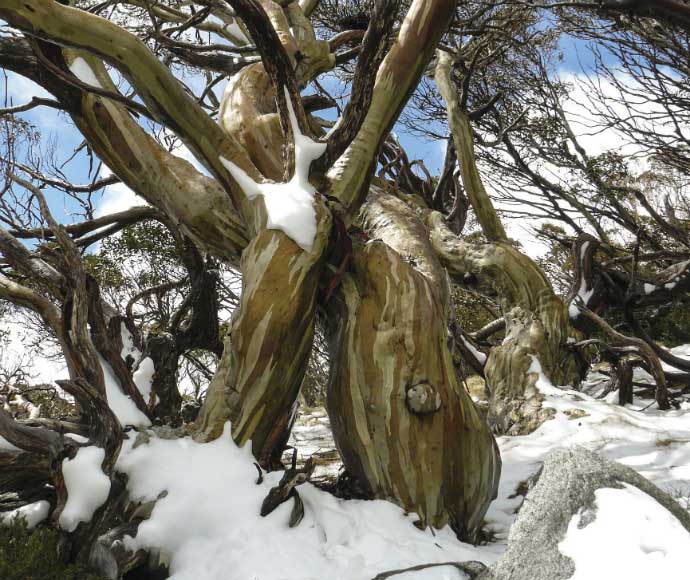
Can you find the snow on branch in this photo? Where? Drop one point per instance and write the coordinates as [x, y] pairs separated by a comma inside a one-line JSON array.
[[289, 206]]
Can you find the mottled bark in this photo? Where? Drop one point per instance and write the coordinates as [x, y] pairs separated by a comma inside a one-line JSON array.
[[271, 335], [405, 427], [537, 324]]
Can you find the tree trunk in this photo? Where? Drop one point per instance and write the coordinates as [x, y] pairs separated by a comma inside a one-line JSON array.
[[270, 340], [537, 325], [405, 427]]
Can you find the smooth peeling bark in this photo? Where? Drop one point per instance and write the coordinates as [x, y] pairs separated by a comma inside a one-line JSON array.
[[270, 340], [463, 138], [537, 325], [399, 74], [161, 92], [247, 112], [405, 427], [196, 203]]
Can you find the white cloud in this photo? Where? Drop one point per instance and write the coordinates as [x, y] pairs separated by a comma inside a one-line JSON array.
[[117, 197]]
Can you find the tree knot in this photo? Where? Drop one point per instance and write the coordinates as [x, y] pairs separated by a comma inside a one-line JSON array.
[[422, 399]]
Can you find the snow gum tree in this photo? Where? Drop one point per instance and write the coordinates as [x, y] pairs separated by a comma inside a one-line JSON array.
[[406, 428], [318, 238]]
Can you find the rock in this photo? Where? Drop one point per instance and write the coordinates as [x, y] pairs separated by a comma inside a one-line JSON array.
[[566, 486]]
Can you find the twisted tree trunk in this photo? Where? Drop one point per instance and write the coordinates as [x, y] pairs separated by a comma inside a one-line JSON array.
[[404, 425], [537, 322], [406, 428]]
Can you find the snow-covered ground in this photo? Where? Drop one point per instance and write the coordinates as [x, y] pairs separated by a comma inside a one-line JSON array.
[[206, 521], [211, 489]]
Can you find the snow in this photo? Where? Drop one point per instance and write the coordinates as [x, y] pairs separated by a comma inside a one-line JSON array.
[[480, 356], [543, 384], [289, 206], [223, 535], [123, 407], [682, 351], [649, 288], [632, 537], [128, 348], [87, 486], [654, 443], [212, 489], [436, 573], [81, 69], [33, 513], [143, 377], [583, 293]]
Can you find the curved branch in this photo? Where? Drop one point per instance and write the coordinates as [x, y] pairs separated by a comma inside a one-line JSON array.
[[422, 28], [463, 138], [159, 89]]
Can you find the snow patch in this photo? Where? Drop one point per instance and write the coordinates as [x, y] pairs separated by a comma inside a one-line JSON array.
[[123, 407], [33, 513], [128, 348], [143, 377], [480, 356], [289, 206], [583, 293], [632, 537], [209, 526], [654, 443], [87, 486], [81, 69], [543, 384]]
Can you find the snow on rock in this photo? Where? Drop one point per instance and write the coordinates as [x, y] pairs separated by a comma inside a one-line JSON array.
[[87, 486], [81, 69], [33, 514], [123, 407], [208, 524], [654, 443], [143, 377], [646, 539], [289, 206], [211, 488]]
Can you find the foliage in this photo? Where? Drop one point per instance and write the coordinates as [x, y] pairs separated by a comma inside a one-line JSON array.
[[26, 555], [671, 325]]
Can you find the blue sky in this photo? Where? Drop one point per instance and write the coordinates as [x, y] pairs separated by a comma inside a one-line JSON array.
[[57, 126]]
